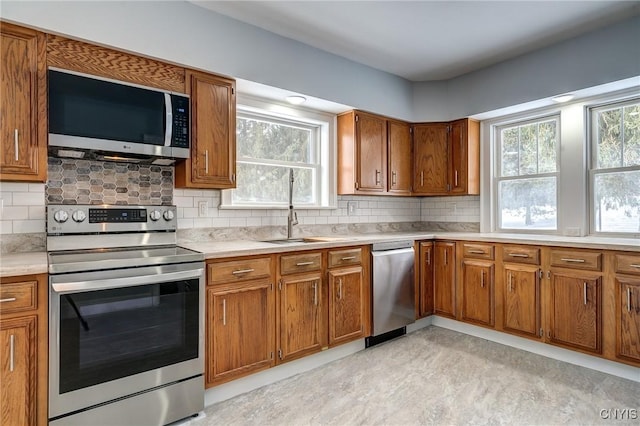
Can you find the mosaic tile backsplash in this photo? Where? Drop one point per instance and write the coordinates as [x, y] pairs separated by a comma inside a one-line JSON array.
[[103, 182]]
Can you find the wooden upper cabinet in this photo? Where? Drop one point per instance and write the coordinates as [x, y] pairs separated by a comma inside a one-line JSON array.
[[23, 104], [399, 154], [446, 158], [431, 156], [212, 163]]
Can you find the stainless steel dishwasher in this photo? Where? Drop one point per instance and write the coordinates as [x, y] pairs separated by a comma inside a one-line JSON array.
[[393, 290]]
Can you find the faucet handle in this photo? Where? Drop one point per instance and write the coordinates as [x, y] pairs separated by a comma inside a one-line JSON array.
[[295, 218]]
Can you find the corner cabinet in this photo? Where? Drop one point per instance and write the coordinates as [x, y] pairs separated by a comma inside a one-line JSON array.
[[212, 163], [23, 350], [399, 154], [23, 104]]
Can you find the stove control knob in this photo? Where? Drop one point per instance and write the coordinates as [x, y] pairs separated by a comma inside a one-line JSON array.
[[168, 215], [78, 216], [155, 215], [60, 216]]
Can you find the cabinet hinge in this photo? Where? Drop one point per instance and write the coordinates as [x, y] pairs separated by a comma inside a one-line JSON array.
[[448, 187], [271, 355], [356, 118], [280, 285], [233, 177], [233, 90], [356, 185], [411, 130], [541, 332], [541, 274], [548, 275], [280, 353], [271, 286]]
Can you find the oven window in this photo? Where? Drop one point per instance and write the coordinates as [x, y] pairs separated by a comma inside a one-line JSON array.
[[110, 334]]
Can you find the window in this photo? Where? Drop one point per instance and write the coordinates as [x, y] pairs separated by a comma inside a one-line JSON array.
[[527, 174], [615, 168], [270, 141]]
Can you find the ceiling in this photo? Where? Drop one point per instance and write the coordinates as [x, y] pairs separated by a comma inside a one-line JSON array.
[[427, 40]]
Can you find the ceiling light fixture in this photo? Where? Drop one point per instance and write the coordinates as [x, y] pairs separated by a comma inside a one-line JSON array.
[[296, 100], [563, 98]]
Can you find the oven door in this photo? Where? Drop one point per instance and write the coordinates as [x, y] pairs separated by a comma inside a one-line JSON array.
[[120, 332]]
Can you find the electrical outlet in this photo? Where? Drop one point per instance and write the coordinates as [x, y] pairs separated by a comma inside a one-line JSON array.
[[203, 207], [351, 208]]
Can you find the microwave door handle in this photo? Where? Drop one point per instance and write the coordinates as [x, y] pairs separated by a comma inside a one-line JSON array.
[[168, 132]]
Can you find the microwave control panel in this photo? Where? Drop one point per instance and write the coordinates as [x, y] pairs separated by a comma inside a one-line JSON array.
[[180, 106]]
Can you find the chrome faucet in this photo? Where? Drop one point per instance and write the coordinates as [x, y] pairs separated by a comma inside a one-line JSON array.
[[292, 219]]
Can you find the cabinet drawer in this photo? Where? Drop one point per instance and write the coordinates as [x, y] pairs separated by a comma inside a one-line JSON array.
[[577, 259], [345, 257], [239, 270], [293, 263], [478, 251], [521, 254], [628, 264], [18, 297]]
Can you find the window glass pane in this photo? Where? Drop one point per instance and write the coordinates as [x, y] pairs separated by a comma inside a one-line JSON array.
[[509, 154], [617, 202], [528, 149], [547, 143], [631, 155], [270, 185], [273, 141], [528, 203], [609, 151]]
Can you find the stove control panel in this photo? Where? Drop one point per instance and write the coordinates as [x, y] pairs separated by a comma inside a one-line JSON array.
[[109, 219]]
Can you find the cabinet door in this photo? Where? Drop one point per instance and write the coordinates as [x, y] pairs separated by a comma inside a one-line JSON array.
[[240, 330], [444, 279], [431, 157], [18, 371], [346, 304], [213, 133], [426, 279], [477, 292], [399, 173], [575, 317], [521, 299], [464, 172], [301, 316], [23, 121], [628, 317], [371, 148]]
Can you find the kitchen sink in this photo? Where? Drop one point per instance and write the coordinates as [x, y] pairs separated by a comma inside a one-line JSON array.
[[287, 241]]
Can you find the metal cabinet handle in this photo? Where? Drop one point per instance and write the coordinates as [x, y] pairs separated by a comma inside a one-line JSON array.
[[584, 290], [315, 293], [510, 282], [304, 263], [565, 259], [476, 251], [429, 258], [12, 341], [422, 178], [628, 299], [224, 311], [482, 279], [15, 143], [455, 178], [206, 161], [8, 299], [378, 174], [339, 288], [242, 271], [348, 258], [519, 255], [445, 257], [394, 178]]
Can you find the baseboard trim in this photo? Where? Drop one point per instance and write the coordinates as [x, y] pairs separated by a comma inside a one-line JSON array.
[[577, 358]]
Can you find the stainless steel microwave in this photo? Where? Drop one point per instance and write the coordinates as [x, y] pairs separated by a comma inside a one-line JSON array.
[[103, 119]]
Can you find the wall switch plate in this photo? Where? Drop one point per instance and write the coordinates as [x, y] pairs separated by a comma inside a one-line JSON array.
[[351, 208], [203, 207]]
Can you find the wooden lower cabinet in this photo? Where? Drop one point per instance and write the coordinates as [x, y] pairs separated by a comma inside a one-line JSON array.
[[628, 317], [477, 292], [302, 329], [575, 310], [444, 278], [425, 277], [240, 333], [23, 350], [521, 299], [346, 304]]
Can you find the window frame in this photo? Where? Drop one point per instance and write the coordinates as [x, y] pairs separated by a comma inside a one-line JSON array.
[[593, 170], [496, 177], [321, 123]]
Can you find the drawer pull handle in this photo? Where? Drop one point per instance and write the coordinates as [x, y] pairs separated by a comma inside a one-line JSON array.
[[628, 299], [584, 288], [476, 251], [304, 263], [12, 341], [635, 265], [242, 271], [519, 255], [348, 258], [567, 259], [8, 299]]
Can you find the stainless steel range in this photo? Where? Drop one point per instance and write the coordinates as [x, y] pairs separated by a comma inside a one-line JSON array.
[[126, 317]]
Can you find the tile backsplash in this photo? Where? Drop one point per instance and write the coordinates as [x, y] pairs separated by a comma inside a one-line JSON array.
[[102, 182]]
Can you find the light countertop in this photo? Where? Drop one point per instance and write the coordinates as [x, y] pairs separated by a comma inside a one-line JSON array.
[[36, 262]]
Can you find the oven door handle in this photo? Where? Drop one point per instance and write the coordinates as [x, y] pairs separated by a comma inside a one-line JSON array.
[[109, 283]]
